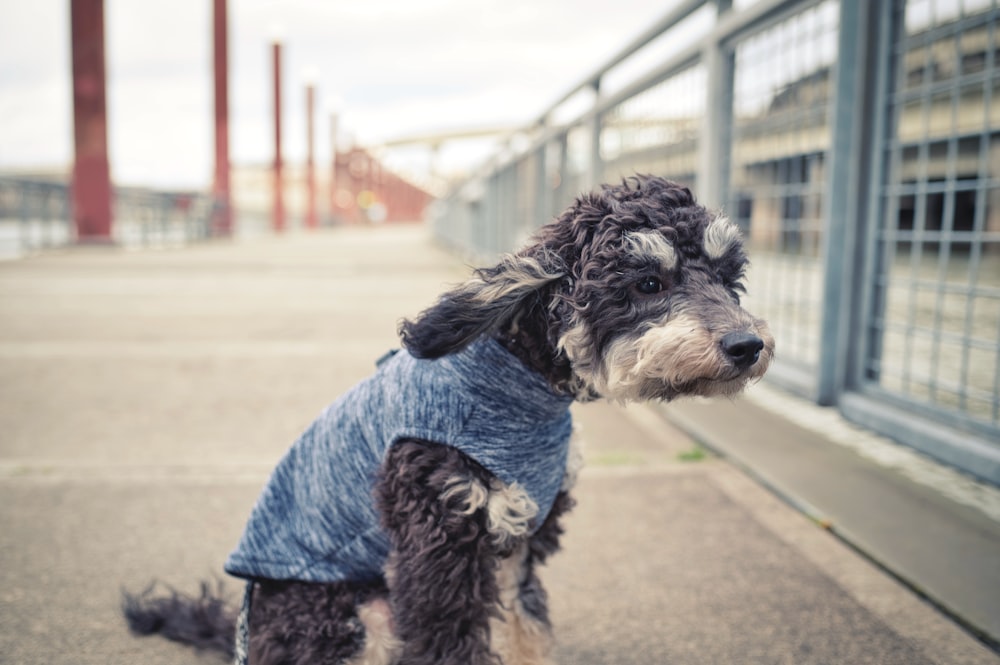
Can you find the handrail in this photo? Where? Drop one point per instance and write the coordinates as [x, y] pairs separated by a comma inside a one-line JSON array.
[[592, 81], [36, 213]]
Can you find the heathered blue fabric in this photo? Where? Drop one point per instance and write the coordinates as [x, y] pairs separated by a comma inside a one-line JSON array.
[[315, 519]]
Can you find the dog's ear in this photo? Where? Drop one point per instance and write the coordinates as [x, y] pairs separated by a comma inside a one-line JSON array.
[[481, 305]]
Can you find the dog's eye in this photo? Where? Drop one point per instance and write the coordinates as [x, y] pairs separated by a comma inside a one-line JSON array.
[[649, 285]]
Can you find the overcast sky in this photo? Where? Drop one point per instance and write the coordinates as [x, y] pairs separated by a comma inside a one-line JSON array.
[[393, 67]]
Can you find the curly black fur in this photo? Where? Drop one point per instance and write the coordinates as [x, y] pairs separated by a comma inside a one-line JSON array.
[[442, 587], [517, 283], [301, 622], [574, 269], [443, 592], [205, 621], [574, 290]]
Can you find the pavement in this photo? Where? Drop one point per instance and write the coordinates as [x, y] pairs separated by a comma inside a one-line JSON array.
[[145, 396]]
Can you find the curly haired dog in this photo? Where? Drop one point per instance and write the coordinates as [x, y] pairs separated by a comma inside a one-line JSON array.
[[406, 525]]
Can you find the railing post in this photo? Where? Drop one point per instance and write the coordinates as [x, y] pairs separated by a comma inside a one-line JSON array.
[[713, 141], [222, 209], [542, 190], [562, 192], [311, 220], [279, 183], [596, 171], [334, 166], [844, 201], [91, 171]]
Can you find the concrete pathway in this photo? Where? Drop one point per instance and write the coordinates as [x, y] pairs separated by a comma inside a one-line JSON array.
[[145, 396]]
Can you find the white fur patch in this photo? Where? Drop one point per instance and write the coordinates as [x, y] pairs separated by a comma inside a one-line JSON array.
[[652, 246], [520, 273], [509, 508], [382, 647], [671, 357], [573, 341], [720, 235], [575, 344], [469, 491], [509, 512]]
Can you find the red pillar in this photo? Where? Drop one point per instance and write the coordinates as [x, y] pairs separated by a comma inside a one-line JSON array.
[[223, 221], [279, 183], [334, 167], [311, 220], [91, 172]]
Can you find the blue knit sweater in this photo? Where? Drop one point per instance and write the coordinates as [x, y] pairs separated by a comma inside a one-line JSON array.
[[315, 519]]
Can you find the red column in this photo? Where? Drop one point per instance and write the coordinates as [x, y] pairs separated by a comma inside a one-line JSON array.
[[311, 220], [223, 222], [91, 172], [334, 166], [279, 183]]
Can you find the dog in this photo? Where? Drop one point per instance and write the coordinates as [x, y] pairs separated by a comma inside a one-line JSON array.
[[407, 524]]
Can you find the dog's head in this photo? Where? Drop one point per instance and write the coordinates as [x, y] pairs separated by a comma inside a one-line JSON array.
[[633, 293]]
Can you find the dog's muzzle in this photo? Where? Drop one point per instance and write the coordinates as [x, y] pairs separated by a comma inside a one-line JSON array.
[[743, 349]]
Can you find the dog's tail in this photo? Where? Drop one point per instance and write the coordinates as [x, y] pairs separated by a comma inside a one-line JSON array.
[[204, 621]]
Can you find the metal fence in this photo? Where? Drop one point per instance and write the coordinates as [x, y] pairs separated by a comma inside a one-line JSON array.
[[35, 214], [857, 144]]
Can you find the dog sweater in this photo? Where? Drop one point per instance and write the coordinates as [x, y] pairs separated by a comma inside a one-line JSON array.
[[316, 520]]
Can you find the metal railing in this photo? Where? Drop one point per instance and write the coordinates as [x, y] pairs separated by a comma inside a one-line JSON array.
[[857, 144], [35, 214]]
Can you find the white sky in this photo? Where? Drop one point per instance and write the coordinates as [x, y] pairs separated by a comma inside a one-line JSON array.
[[393, 67]]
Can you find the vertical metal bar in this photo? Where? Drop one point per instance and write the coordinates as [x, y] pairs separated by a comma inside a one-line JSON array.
[[45, 218], [91, 170], [843, 199], [542, 192], [562, 190], [278, 189], [979, 221], [995, 414], [945, 238], [25, 235], [714, 140], [222, 222], [595, 171], [984, 178], [918, 234], [496, 223], [311, 219], [883, 199]]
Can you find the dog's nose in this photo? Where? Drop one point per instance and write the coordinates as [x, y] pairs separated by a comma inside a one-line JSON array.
[[742, 348]]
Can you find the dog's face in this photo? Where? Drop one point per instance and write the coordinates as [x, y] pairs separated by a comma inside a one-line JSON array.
[[635, 290], [654, 308]]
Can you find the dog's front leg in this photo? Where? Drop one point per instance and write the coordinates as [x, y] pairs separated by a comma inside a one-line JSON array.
[[448, 536]]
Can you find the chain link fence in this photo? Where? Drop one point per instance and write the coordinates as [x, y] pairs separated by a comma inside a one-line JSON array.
[[857, 144]]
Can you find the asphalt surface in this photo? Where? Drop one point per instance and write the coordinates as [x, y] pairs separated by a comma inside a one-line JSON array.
[[935, 529], [144, 397]]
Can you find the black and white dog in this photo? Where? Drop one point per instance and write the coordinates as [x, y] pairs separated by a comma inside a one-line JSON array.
[[406, 525]]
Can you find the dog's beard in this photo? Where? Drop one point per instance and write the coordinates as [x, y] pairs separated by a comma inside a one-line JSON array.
[[679, 356]]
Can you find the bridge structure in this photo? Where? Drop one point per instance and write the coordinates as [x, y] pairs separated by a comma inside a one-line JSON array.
[[857, 146], [147, 394], [83, 206]]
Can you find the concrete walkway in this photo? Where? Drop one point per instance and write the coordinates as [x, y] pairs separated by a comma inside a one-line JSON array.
[[145, 396]]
